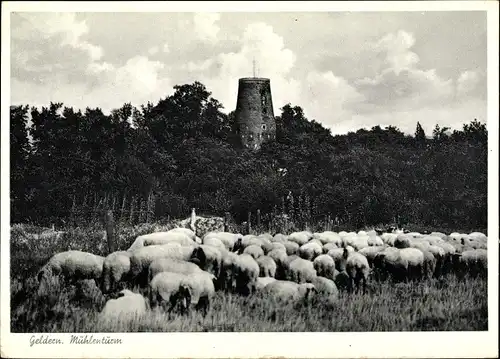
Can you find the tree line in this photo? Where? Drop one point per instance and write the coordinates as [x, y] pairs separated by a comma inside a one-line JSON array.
[[185, 152]]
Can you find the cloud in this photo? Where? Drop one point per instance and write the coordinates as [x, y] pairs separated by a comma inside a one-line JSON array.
[[166, 48], [205, 26], [258, 43], [108, 86], [34, 26], [401, 85]]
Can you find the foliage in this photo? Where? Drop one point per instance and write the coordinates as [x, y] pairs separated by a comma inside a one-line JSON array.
[[183, 150]]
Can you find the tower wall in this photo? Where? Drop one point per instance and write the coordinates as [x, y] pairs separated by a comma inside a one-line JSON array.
[[254, 112]]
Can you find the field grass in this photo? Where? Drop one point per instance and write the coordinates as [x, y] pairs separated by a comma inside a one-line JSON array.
[[445, 304]]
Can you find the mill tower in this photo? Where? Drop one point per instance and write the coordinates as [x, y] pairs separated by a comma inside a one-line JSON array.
[[254, 112]]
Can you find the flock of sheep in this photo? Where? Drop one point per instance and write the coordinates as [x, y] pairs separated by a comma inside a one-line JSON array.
[[176, 270]]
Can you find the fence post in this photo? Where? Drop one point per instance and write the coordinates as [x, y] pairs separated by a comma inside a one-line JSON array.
[[110, 230], [257, 219], [249, 226], [328, 221], [226, 222]]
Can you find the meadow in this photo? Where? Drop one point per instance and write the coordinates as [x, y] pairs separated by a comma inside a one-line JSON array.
[[445, 304]]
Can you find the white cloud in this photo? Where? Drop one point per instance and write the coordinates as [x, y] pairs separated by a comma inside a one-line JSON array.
[[467, 82], [166, 48], [64, 25], [205, 26]]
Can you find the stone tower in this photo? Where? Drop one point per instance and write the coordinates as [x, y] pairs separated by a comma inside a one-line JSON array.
[[254, 112]]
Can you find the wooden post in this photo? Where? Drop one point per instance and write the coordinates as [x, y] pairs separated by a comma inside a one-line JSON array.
[[249, 226], [257, 220], [328, 223], [226, 222], [110, 231]]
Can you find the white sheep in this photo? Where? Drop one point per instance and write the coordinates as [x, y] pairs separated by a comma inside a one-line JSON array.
[[72, 266], [127, 306], [267, 266]]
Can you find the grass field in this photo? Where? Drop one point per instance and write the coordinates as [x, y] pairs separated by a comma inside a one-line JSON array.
[[445, 304]]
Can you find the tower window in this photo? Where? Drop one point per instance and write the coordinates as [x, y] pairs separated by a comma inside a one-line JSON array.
[[264, 127]]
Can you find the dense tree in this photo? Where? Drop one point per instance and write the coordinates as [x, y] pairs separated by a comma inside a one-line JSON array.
[[184, 150]]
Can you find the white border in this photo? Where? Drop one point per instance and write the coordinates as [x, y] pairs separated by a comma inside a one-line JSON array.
[[253, 345]]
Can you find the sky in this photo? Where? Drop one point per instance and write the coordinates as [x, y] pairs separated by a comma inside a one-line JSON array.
[[347, 70]]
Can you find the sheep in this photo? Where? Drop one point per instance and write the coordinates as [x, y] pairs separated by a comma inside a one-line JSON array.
[[72, 266], [414, 259], [197, 289], [165, 290], [286, 291], [325, 266], [291, 247], [370, 253], [279, 256], [267, 266], [375, 241], [474, 262], [326, 288], [125, 305], [273, 245], [160, 238], [207, 258], [214, 242], [310, 250], [328, 237], [429, 264], [143, 257], [230, 240], [115, 271], [188, 232], [279, 238], [301, 271], [247, 272], [227, 278], [402, 241], [171, 265], [300, 238], [254, 250], [338, 256], [327, 247], [262, 282], [357, 268]]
